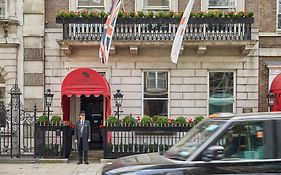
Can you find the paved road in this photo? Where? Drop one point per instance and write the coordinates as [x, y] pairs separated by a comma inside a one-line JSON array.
[[51, 169]]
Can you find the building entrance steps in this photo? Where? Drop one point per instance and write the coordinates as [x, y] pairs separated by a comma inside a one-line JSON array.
[[94, 156]]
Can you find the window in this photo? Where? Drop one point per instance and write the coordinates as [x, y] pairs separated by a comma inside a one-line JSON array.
[[156, 5], [244, 140], [155, 93], [225, 5], [221, 92], [279, 15], [222, 4], [3, 9], [90, 4]]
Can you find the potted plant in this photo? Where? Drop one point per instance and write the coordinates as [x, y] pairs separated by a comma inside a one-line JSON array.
[[161, 120], [42, 120], [198, 119], [146, 121], [112, 120], [129, 120], [56, 120], [180, 121]]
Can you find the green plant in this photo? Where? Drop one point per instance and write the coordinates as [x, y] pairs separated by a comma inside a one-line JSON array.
[[56, 119], [112, 120], [129, 120], [146, 120], [43, 119], [161, 120], [120, 14], [198, 119], [180, 121], [132, 14], [178, 15], [140, 14], [150, 14], [102, 14]]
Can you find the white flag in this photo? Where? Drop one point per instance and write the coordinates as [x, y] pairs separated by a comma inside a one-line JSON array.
[[180, 32]]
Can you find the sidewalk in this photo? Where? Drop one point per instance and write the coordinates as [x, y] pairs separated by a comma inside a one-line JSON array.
[[51, 169]]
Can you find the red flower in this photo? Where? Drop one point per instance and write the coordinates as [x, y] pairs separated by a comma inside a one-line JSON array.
[[190, 120]]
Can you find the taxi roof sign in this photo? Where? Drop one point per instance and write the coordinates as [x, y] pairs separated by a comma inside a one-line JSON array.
[[216, 115]]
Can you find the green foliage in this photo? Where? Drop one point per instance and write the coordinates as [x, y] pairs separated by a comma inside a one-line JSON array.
[[198, 119], [146, 120], [160, 14], [43, 119], [129, 120], [180, 121], [140, 14], [150, 14], [56, 119], [112, 120], [161, 120]]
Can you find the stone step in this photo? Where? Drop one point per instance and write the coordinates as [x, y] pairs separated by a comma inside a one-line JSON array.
[[93, 155]]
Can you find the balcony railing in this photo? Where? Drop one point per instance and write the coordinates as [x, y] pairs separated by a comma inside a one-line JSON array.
[[157, 29]]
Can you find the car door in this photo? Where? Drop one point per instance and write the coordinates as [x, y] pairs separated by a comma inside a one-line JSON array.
[[250, 147]]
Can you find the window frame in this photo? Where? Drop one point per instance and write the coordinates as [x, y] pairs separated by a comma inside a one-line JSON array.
[[142, 91], [234, 88], [6, 10], [73, 5], [278, 12], [173, 6], [239, 5]]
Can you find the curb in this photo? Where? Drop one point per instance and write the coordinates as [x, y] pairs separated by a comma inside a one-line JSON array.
[[106, 160], [52, 161]]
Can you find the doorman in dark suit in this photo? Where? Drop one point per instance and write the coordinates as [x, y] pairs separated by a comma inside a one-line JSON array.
[[83, 137]]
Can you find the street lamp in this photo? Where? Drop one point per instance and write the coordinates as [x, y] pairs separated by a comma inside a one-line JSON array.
[[270, 99], [48, 100], [118, 97]]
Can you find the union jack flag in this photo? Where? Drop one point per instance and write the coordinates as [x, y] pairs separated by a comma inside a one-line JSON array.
[[108, 31]]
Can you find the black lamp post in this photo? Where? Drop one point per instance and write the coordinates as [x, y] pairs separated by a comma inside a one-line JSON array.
[[118, 97], [48, 100], [270, 99]]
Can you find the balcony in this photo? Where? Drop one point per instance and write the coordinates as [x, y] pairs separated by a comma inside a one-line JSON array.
[[158, 29], [201, 32]]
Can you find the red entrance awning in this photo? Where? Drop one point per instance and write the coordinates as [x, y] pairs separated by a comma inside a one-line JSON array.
[[84, 81], [276, 89]]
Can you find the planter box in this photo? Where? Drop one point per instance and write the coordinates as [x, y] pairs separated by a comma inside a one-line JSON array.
[[193, 20]]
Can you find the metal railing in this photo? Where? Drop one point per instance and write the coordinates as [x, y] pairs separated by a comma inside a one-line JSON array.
[[53, 141], [122, 141], [156, 29]]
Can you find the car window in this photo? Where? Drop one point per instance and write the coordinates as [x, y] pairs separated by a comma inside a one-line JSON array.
[[245, 140], [193, 139]]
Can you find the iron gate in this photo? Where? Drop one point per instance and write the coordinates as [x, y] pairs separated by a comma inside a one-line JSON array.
[[16, 127]]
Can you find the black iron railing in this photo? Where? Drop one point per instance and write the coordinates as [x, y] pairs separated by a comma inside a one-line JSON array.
[[159, 28], [122, 141], [53, 141]]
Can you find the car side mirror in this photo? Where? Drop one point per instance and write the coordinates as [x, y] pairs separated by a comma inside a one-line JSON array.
[[214, 152]]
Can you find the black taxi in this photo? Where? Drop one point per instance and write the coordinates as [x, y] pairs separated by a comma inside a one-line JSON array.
[[220, 144]]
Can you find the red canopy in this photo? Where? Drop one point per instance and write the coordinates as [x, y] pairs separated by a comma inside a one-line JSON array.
[[84, 81], [276, 89]]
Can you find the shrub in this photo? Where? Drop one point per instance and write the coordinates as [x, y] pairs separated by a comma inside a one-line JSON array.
[[161, 120], [150, 14], [112, 120], [129, 120], [180, 121], [140, 14], [56, 119], [146, 120], [198, 119], [43, 119]]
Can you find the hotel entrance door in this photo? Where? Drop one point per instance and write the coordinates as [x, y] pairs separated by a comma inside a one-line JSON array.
[[94, 109]]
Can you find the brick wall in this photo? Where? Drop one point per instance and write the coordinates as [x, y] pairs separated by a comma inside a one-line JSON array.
[[270, 42], [267, 16], [51, 8], [263, 86], [253, 6]]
